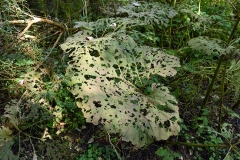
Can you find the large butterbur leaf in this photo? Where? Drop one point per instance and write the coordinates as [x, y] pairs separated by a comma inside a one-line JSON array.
[[103, 74], [212, 46], [149, 12], [107, 78]]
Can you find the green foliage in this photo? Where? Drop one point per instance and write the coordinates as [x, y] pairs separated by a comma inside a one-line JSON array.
[[72, 115], [12, 71], [167, 154], [55, 96], [95, 152], [15, 115], [228, 135], [6, 152], [205, 134], [119, 79], [233, 75], [54, 149], [60, 9]]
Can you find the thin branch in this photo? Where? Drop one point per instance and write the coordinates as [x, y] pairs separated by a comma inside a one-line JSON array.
[[199, 144], [30, 22], [109, 138], [56, 42], [36, 20]]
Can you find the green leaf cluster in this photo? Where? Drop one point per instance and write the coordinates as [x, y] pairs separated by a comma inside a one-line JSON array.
[[167, 154], [95, 152]]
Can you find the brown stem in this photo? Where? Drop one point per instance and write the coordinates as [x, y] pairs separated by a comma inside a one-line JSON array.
[[199, 144], [218, 67]]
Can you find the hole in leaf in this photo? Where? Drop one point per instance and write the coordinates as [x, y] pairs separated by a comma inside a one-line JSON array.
[[163, 65], [164, 108], [172, 102], [120, 102], [173, 119], [95, 53], [109, 79], [143, 111], [156, 118], [166, 124], [102, 59], [97, 104], [112, 106], [87, 77], [134, 102], [132, 115], [115, 66], [122, 68], [118, 93], [152, 65], [118, 72], [70, 50], [160, 125]]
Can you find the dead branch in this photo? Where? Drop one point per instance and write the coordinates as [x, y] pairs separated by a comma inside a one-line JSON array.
[[30, 22], [34, 20]]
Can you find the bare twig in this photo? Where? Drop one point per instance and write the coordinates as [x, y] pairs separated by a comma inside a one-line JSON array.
[[56, 42], [109, 138]]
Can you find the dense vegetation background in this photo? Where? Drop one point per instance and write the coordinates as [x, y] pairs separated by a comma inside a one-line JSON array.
[[105, 79]]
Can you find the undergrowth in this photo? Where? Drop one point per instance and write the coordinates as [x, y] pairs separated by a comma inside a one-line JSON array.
[[157, 79]]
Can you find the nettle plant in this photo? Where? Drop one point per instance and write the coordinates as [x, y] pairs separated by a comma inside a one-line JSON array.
[[116, 81]]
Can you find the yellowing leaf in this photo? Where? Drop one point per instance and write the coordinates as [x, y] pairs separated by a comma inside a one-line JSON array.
[[5, 134]]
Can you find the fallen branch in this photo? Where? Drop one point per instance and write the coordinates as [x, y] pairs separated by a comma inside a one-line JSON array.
[[34, 20], [31, 22]]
